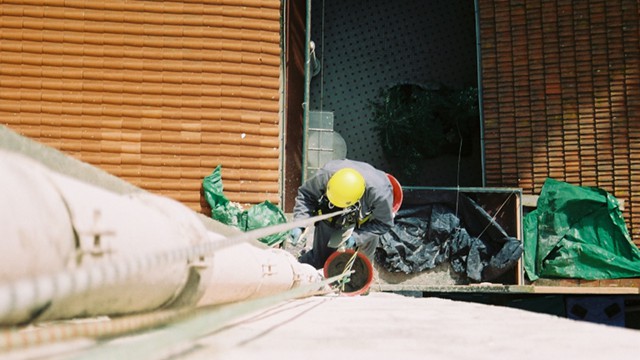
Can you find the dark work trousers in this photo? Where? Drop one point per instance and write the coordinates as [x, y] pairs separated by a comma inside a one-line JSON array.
[[320, 252]]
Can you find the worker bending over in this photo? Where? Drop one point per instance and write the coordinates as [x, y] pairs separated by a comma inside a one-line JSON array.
[[341, 184]]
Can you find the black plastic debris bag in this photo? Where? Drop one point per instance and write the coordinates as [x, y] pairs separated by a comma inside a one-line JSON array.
[[430, 234]]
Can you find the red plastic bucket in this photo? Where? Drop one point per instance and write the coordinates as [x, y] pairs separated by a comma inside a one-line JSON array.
[[397, 193], [360, 280]]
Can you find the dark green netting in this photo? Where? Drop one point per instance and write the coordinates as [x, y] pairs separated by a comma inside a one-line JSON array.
[[578, 232], [256, 217]]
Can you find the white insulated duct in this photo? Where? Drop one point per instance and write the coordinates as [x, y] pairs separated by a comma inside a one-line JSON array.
[[37, 235], [109, 225], [52, 223], [80, 225], [246, 272]]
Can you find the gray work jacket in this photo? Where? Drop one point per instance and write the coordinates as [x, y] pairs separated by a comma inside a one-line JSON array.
[[376, 202]]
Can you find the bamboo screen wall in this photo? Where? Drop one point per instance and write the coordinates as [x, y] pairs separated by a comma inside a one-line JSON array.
[[157, 93], [561, 95]]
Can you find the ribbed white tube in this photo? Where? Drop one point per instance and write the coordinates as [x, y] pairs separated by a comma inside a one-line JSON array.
[[52, 223], [37, 235], [71, 249]]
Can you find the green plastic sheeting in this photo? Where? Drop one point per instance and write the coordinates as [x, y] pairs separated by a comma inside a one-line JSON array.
[[256, 217], [578, 232]]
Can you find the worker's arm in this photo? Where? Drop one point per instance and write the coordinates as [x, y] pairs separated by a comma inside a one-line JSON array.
[[379, 202], [309, 194]]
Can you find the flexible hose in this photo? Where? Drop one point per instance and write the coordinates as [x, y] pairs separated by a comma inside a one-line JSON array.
[[26, 293], [15, 339]]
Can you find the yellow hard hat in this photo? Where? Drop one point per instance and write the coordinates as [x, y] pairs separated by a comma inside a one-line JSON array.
[[345, 187]]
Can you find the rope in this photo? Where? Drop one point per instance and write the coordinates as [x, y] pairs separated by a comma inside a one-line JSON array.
[[322, 59], [458, 173], [32, 292], [205, 321], [347, 271], [30, 337], [493, 219]]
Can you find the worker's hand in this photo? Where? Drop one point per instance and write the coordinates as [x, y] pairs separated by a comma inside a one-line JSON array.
[[294, 235], [350, 243]]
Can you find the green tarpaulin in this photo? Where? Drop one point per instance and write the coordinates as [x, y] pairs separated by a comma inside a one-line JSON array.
[[256, 217], [578, 232]]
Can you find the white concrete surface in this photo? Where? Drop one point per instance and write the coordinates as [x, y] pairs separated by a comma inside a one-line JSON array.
[[390, 326], [377, 326]]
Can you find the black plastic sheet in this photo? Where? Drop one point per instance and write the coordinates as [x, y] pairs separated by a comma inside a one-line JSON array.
[[449, 227]]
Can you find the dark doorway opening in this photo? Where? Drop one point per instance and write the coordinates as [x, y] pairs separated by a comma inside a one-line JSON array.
[[364, 48]]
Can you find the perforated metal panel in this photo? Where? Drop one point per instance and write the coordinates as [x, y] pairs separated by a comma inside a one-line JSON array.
[[368, 45]]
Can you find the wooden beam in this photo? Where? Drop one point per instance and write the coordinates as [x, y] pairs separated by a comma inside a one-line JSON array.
[[510, 289], [532, 201]]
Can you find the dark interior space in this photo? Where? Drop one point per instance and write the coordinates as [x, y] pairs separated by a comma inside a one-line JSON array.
[[366, 50]]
